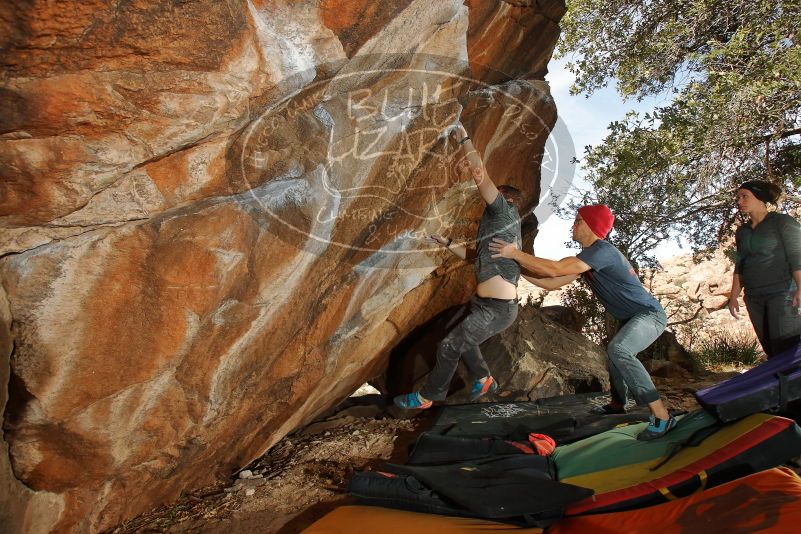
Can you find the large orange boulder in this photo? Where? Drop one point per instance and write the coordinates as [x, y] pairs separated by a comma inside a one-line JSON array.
[[211, 222]]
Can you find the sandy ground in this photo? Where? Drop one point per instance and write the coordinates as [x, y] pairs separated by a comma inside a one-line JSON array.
[[306, 474], [299, 480]]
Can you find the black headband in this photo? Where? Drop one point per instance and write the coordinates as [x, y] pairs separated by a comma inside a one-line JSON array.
[[760, 190]]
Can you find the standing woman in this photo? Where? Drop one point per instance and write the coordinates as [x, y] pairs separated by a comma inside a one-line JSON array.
[[768, 268]]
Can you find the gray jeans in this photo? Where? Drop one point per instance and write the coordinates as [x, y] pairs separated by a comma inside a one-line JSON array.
[[626, 372], [485, 318], [776, 322]]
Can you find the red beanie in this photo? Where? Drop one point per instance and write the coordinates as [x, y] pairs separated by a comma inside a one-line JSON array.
[[598, 217]]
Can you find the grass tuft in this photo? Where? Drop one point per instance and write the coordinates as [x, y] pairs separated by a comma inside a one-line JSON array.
[[738, 348]]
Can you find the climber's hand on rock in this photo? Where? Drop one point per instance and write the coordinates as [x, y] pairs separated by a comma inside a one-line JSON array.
[[458, 133], [436, 239]]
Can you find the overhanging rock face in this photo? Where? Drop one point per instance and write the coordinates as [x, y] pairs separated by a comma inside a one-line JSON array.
[[211, 218]]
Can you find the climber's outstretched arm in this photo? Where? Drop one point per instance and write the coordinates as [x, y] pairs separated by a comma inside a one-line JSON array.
[[485, 185]]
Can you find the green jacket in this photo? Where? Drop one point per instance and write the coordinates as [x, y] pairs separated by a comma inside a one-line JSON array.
[[768, 254]]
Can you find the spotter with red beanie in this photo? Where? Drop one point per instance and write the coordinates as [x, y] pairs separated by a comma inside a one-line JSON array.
[[613, 280]]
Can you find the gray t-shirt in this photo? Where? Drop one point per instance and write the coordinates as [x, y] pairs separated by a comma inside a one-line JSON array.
[[768, 254], [500, 220], [615, 283]]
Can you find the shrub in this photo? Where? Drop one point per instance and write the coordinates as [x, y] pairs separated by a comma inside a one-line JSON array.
[[535, 300], [739, 348]]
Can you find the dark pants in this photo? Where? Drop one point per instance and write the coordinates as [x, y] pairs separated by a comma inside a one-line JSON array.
[[484, 318], [776, 322]]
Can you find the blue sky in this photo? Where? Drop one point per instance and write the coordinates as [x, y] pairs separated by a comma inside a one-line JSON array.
[[586, 120]]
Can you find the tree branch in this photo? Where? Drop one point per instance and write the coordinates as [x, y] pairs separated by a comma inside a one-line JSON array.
[[685, 321]]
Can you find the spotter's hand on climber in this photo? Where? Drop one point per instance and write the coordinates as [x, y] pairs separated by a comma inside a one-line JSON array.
[[570, 267]]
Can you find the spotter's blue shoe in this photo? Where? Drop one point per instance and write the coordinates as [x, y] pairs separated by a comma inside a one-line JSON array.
[[412, 401], [657, 428], [482, 388]]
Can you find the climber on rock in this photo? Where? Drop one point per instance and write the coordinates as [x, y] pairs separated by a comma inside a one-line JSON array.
[[612, 279], [494, 306]]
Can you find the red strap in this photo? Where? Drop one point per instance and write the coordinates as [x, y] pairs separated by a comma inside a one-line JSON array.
[[545, 445], [522, 446]]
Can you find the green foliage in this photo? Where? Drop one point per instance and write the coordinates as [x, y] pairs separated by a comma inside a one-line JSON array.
[[535, 301], [733, 72], [738, 348], [653, 46], [599, 326]]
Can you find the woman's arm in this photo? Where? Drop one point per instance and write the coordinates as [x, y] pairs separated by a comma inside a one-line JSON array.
[[791, 239], [790, 232], [736, 287]]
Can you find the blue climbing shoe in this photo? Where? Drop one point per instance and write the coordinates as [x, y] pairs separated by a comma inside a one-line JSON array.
[[480, 388], [657, 428], [412, 401]]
